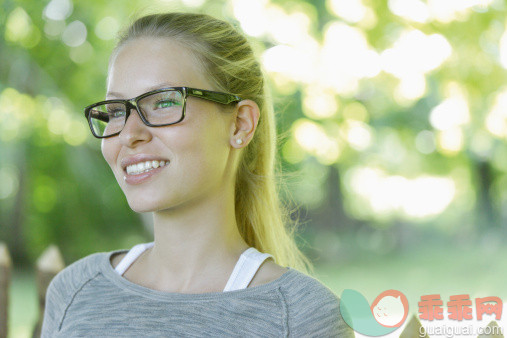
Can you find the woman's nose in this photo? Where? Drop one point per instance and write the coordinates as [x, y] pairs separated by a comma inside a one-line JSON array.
[[134, 130]]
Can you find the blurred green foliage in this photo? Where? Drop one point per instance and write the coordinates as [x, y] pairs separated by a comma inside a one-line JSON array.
[[396, 118]]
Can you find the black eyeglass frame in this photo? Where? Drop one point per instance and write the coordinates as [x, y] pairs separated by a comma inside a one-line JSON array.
[[219, 97]]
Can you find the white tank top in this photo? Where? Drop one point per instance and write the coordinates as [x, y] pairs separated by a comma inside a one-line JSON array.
[[243, 273]]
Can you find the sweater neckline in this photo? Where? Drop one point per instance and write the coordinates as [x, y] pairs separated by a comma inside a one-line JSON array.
[[109, 272]]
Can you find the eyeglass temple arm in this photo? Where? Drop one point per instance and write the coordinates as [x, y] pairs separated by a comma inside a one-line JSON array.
[[99, 116], [223, 98]]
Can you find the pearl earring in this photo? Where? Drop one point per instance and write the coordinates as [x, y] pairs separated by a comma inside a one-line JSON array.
[[239, 141]]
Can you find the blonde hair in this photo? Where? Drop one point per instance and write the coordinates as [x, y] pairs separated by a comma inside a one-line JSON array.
[[230, 64]]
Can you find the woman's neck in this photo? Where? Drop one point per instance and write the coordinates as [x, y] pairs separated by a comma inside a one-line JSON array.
[[193, 249]]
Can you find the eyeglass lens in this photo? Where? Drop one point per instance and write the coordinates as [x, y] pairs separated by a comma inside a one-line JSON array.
[[158, 109]]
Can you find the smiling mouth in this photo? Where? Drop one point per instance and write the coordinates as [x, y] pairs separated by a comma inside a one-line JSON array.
[[142, 167]]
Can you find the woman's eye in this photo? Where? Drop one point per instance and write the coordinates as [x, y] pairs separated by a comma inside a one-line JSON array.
[[165, 104], [116, 113]]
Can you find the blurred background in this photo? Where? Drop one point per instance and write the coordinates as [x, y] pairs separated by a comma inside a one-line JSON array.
[[393, 124]]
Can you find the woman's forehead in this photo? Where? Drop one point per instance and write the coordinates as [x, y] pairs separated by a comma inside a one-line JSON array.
[[149, 61]]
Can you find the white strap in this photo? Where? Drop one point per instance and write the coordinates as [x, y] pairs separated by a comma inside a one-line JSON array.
[[245, 269], [131, 256], [243, 273]]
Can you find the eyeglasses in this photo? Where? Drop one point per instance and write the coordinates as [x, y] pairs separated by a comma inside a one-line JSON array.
[[157, 108]]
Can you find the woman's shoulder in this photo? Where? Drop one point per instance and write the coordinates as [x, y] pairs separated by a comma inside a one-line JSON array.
[[313, 308], [80, 271], [64, 286], [304, 287], [304, 294], [116, 257], [268, 271]]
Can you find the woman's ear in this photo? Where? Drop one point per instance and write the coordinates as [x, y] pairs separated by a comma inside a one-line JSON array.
[[245, 121]]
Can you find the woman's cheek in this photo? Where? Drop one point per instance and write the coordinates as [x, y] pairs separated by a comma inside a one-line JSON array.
[[108, 152]]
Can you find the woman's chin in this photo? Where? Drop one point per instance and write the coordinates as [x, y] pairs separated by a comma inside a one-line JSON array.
[[143, 206]]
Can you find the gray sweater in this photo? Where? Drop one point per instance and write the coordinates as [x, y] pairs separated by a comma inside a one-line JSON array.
[[90, 299]]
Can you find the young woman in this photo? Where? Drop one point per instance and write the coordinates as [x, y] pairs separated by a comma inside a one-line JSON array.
[[188, 130]]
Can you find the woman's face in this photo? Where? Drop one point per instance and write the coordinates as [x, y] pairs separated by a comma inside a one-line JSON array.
[[197, 149]]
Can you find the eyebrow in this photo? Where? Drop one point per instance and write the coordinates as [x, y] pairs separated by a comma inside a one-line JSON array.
[[159, 86]]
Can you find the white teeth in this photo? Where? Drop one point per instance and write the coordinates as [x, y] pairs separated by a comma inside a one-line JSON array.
[[142, 167]]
